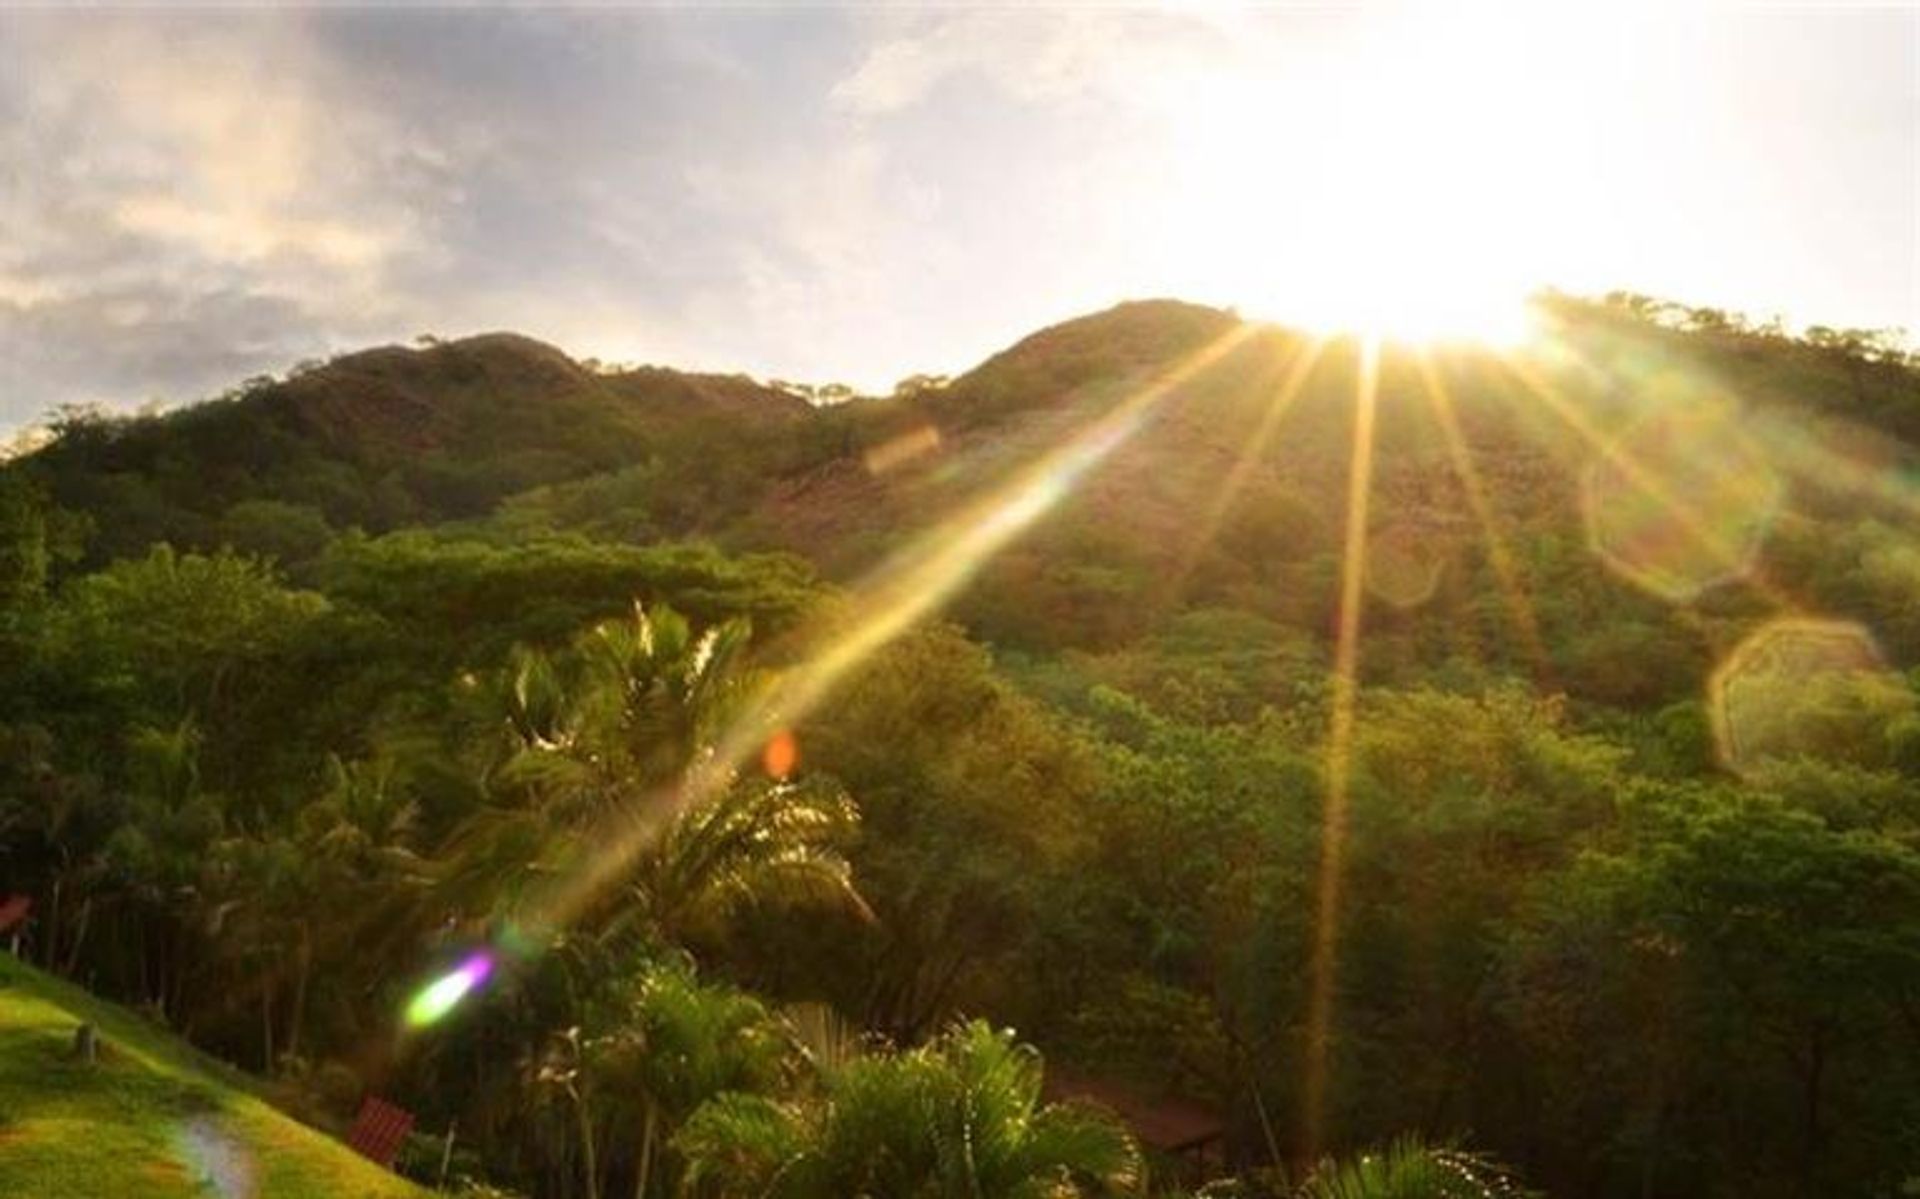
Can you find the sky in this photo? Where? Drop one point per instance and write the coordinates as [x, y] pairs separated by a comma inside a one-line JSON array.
[[192, 196]]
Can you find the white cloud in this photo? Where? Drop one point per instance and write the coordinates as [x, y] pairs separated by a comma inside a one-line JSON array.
[[1036, 56], [226, 143], [201, 168]]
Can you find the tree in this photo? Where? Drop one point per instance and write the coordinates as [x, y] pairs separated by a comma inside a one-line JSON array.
[[342, 885], [661, 1044], [274, 530], [599, 737], [25, 552], [1723, 1003], [1409, 1168], [173, 633], [959, 1116], [589, 742], [969, 799]]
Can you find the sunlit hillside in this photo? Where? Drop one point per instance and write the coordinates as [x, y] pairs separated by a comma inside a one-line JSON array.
[[147, 1116], [1175, 756]]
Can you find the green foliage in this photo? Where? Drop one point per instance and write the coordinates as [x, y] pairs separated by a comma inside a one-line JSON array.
[[1761, 961], [1407, 1168], [661, 1045], [959, 1116], [970, 799], [25, 554], [171, 634], [264, 810], [467, 599], [275, 530]]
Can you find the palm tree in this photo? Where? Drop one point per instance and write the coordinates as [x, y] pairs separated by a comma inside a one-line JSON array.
[[635, 699], [346, 872], [1410, 1168], [367, 876], [756, 842], [593, 737], [959, 1117], [672, 1043], [157, 859]]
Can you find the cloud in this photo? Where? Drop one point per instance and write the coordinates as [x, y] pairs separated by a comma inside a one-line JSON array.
[[190, 179], [211, 196], [192, 197], [635, 183], [1035, 56], [161, 344]]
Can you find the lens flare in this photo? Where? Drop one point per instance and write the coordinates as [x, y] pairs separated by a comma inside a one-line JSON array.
[[781, 755], [1806, 688], [1683, 503], [1831, 455], [1506, 572], [908, 587], [1404, 564], [218, 1163], [896, 452], [1299, 367], [1339, 770], [443, 994]]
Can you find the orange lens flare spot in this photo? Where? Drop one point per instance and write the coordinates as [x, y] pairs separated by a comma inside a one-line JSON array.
[[781, 755], [898, 451]]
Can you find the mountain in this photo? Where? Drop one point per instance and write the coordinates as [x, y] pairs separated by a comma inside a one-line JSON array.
[[389, 437], [1231, 495], [1612, 856]]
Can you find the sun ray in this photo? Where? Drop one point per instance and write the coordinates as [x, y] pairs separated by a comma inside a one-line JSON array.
[[1339, 765], [1610, 450], [1499, 557], [908, 587], [1803, 454], [1804, 449], [1299, 367]]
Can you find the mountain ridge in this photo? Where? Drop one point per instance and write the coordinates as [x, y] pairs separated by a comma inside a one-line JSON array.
[[1232, 493]]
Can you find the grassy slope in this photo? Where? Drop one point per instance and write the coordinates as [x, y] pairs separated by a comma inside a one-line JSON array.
[[151, 1118]]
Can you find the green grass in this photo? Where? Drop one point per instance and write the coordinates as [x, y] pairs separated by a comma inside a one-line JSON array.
[[151, 1117]]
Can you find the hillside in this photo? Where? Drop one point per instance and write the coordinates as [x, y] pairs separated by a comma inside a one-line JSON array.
[[1520, 745], [389, 437], [151, 1117], [1232, 498]]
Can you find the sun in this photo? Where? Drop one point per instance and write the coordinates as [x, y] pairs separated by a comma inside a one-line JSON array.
[[1393, 189], [1406, 301]]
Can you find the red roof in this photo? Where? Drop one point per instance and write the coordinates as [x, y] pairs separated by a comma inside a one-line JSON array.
[[13, 910], [1167, 1123]]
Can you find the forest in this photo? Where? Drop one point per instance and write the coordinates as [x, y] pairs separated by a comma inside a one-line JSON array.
[[1177, 757]]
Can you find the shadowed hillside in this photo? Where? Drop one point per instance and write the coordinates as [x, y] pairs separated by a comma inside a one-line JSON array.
[[390, 437]]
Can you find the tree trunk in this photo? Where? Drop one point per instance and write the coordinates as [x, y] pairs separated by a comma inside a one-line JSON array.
[[303, 966], [79, 935], [1274, 1155], [50, 949], [1810, 1151], [645, 1168], [591, 1171], [266, 1028]]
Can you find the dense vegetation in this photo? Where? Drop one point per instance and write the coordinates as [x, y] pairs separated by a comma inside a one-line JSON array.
[[318, 691]]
